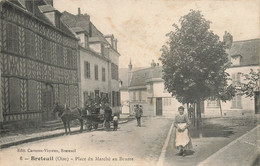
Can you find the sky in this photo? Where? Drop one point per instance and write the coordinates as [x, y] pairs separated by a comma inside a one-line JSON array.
[[141, 25]]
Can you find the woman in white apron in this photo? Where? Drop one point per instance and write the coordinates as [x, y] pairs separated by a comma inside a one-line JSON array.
[[182, 137]]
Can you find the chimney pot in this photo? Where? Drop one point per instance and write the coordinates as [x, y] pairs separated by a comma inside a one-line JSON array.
[[79, 12]]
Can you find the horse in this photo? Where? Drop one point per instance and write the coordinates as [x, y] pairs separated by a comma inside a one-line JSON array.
[[67, 115]]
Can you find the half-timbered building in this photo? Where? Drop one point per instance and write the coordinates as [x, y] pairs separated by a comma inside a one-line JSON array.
[[38, 62]]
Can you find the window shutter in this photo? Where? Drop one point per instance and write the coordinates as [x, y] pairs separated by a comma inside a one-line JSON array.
[[113, 98], [86, 69], [239, 104], [238, 78], [233, 79], [118, 99], [234, 102]]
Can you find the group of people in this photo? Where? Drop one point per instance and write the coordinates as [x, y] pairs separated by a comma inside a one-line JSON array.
[[98, 104], [181, 122]]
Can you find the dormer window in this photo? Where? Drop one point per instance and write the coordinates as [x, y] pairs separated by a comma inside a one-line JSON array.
[[235, 60]]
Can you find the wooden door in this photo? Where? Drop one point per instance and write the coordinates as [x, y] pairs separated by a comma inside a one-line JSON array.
[[47, 102], [158, 106]]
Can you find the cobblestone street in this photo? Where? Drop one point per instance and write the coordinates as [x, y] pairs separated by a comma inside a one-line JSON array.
[[141, 145]]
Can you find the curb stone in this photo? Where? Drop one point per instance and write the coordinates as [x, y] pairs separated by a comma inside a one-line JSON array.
[[36, 138]]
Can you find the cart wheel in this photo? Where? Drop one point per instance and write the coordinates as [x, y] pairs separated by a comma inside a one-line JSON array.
[[107, 125], [95, 126], [89, 127]]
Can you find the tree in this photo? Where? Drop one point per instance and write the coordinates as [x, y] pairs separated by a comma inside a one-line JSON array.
[[194, 61], [251, 84], [225, 93]]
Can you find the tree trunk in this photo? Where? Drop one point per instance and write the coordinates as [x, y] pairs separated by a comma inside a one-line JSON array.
[[198, 114], [220, 108], [188, 110], [193, 115]]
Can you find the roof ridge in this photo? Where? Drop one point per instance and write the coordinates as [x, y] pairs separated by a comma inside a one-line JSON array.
[[246, 40]]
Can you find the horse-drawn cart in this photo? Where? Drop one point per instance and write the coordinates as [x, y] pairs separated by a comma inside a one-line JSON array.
[[93, 120]]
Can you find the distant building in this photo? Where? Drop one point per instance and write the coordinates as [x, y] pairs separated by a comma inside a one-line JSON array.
[[123, 87], [98, 62], [38, 62], [146, 87], [244, 55]]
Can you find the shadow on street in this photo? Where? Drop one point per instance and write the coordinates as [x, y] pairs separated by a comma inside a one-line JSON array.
[[211, 130]]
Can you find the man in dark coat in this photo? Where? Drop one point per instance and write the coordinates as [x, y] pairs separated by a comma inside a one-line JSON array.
[[138, 114], [107, 115]]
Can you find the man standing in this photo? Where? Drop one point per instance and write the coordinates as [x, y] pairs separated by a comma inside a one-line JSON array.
[[138, 114], [190, 111], [107, 116]]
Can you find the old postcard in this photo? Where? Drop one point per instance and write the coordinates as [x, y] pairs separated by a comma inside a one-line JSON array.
[[129, 83]]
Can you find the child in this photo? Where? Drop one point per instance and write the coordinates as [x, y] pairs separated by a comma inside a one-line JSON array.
[[182, 137], [115, 122]]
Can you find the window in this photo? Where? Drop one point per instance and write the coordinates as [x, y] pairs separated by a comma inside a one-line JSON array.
[[102, 49], [113, 98], [118, 99], [46, 53], [236, 101], [32, 93], [140, 95], [92, 95], [103, 74], [114, 71], [96, 72], [96, 93], [30, 43], [235, 60], [213, 103], [236, 79], [60, 57], [69, 58], [167, 101], [85, 96], [14, 94], [87, 69], [150, 88], [12, 38], [134, 95]]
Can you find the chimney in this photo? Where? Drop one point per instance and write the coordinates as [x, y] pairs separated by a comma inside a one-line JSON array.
[[49, 2], [110, 39], [227, 39], [153, 64], [115, 44], [130, 66], [51, 13], [79, 12]]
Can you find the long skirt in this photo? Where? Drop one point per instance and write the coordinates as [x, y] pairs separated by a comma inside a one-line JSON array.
[[182, 139]]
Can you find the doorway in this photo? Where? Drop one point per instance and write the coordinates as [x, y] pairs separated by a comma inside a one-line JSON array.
[[47, 102], [158, 106]]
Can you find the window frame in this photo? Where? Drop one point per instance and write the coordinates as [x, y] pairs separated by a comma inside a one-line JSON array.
[[87, 69], [12, 38], [96, 72], [103, 74]]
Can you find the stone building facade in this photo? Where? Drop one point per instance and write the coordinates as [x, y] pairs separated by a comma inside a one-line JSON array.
[[38, 62], [145, 86], [98, 60], [244, 56]]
